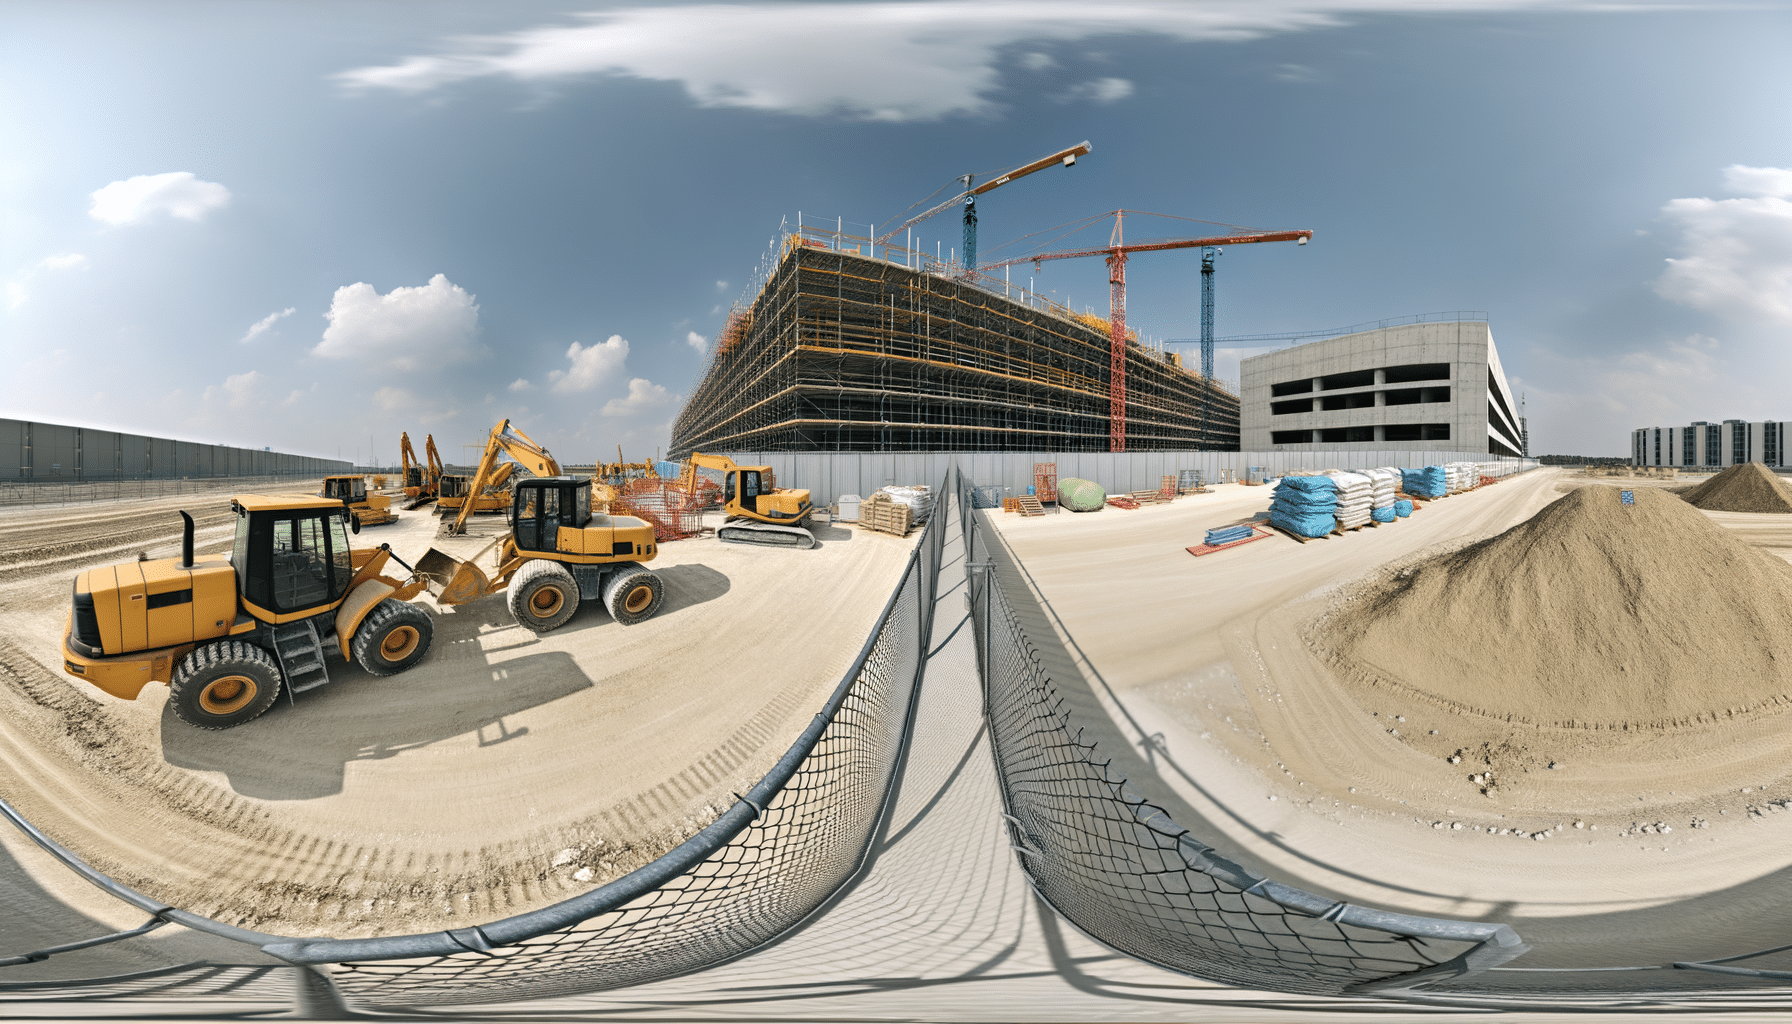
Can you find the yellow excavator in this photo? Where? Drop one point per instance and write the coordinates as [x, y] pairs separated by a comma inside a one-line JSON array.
[[351, 491], [559, 551], [457, 493], [229, 633], [421, 480], [758, 512]]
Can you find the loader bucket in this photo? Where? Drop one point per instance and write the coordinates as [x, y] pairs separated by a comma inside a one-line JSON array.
[[450, 580]]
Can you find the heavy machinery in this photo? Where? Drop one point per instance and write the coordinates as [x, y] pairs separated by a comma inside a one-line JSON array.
[[421, 480], [227, 634], [455, 490], [505, 449], [351, 491], [558, 553], [758, 512]]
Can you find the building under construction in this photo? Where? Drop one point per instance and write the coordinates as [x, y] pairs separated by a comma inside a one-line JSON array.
[[844, 351]]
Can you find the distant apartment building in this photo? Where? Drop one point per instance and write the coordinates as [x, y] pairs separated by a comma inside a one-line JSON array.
[[1432, 386], [1710, 444]]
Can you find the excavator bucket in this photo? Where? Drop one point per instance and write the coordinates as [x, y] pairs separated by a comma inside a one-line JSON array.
[[451, 580]]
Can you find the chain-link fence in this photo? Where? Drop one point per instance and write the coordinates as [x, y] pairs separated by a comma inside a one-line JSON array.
[[1117, 867], [768, 862]]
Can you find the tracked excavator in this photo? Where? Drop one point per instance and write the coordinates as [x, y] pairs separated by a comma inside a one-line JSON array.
[[758, 512], [351, 491], [227, 634], [421, 481], [559, 551]]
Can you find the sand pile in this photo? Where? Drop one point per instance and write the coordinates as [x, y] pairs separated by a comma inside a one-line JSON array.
[[1745, 487], [1592, 614]]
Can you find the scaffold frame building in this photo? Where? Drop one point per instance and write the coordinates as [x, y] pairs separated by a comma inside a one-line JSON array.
[[841, 351]]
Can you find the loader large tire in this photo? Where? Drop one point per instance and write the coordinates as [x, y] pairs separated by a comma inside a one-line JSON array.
[[224, 684], [543, 595], [633, 594], [393, 637]]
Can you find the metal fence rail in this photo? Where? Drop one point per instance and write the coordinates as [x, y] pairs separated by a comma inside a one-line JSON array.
[[1117, 867], [768, 862]]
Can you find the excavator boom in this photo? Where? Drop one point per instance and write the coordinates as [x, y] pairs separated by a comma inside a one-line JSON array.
[[504, 441]]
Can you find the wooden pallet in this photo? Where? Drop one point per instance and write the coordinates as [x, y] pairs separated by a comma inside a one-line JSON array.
[[1028, 505], [1257, 533], [1290, 533], [1122, 501], [1149, 497]]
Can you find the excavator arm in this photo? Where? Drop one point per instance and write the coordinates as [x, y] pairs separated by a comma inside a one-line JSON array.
[[434, 480], [408, 456], [504, 441]]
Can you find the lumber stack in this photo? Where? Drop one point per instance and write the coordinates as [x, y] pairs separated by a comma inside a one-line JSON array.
[[884, 514], [1150, 497]]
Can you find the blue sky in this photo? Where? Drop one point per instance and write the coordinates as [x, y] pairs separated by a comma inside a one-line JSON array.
[[314, 225]]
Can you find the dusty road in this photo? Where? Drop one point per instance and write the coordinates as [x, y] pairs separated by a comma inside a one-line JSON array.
[[1199, 684], [505, 772]]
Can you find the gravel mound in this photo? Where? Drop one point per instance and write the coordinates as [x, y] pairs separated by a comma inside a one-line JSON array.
[[1591, 615], [1745, 487]]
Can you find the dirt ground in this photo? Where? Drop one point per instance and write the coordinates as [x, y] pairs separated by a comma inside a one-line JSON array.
[[506, 772], [1202, 687]]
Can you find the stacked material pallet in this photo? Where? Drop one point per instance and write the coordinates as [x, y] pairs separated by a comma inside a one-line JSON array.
[[1402, 508], [1122, 501], [1150, 497], [1228, 534], [1355, 494], [1424, 483], [918, 499], [884, 514], [1384, 482], [1306, 506]]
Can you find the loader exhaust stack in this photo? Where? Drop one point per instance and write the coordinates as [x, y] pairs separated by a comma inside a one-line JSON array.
[[186, 541]]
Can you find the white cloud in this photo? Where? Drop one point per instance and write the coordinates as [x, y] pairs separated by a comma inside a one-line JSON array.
[[176, 193], [908, 59], [1759, 181], [643, 395], [1737, 252], [1101, 90], [1298, 74], [406, 329], [260, 326], [15, 295], [519, 385], [16, 292], [697, 342], [1037, 61], [392, 399], [721, 286], [65, 261], [239, 391], [590, 365]]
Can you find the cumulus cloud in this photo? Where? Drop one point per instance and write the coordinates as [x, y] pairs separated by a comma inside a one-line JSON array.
[[260, 327], [436, 324], [392, 399], [1297, 74], [911, 59], [721, 286], [1101, 90], [1737, 253], [643, 395], [64, 261], [591, 365], [176, 193], [239, 391], [697, 342], [520, 385]]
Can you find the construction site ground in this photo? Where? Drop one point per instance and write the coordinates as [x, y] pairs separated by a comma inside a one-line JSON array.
[[505, 772], [1193, 675]]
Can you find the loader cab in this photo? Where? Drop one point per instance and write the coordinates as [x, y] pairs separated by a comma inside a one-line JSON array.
[[352, 489], [542, 505], [291, 554]]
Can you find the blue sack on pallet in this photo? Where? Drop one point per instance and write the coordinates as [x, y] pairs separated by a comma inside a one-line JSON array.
[[1382, 515], [1429, 482], [1403, 508], [1228, 534], [1317, 525]]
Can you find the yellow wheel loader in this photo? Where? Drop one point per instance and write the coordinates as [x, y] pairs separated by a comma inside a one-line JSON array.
[[758, 512], [351, 491], [558, 553], [229, 633]]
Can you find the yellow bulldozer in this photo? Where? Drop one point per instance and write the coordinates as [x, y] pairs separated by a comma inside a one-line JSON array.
[[559, 551], [229, 633], [351, 491], [758, 511]]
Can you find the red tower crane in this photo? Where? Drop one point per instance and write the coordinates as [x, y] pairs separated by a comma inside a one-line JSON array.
[[1116, 252]]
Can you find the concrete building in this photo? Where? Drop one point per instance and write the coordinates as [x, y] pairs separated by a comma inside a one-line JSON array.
[[1416, 386], [1711, 444]]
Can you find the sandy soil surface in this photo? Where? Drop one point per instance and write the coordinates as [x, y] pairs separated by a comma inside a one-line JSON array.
[[504, 773], [1201, 685]]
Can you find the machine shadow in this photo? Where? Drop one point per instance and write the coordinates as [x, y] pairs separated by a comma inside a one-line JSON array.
[[687, 586], [828, 533], [300, 749]]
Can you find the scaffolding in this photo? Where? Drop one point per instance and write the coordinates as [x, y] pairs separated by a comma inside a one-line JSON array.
[[851, 346]]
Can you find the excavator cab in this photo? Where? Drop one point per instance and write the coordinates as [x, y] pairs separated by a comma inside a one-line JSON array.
[[350, 489], [545, 504]]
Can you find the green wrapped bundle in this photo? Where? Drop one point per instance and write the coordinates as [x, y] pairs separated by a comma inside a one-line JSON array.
[[1081, 495]]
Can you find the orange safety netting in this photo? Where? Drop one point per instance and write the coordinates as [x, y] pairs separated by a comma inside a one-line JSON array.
[[673, 512]]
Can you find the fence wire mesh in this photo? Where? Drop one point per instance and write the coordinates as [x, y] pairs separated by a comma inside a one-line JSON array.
[[1120, 869]]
